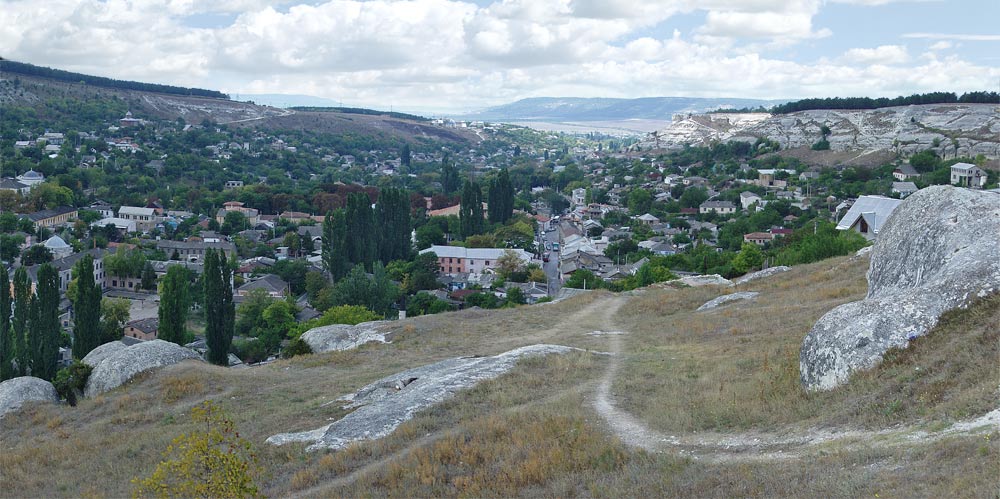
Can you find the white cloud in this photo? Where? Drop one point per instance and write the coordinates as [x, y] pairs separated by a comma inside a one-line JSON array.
[[883, 54], [954, 36], [451, 54]]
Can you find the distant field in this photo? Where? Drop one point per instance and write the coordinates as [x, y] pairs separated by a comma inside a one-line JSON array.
[[720, 387]]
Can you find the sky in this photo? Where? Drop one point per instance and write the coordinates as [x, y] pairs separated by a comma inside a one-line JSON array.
[[448, 56]]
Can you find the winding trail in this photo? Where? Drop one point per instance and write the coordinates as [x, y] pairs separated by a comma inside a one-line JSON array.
[[748, 446]]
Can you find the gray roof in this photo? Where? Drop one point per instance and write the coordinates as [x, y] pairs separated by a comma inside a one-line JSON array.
[[165, 244], [717, 204], [270, 283], [148, 325], [42, 215], [874, 209]]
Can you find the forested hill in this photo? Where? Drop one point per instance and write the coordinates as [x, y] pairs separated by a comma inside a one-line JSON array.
[[20, 68], [883, 102]]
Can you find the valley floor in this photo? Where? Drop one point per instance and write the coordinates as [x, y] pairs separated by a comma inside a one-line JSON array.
[[663, 402]]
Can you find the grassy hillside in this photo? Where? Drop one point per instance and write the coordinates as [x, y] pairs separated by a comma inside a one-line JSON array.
[[719, 388]]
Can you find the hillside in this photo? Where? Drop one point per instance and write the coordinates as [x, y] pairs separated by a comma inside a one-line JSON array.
[[950, 129], [694, 404], [47, 97], [570, 109]]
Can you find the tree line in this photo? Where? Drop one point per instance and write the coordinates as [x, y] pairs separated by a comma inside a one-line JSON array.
[[30, 333], [870, 103], [9, 66]]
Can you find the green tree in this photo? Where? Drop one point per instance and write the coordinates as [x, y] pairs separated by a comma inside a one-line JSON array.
[[148, 277], [36, 254], [19, 320], [392, 214], [114, 316], [279, 319], [639, 201], [45, 326], [213, 462], [404, 155], [335, 258], [584, 279], [362, 242], [471, 213], [219, 310], [250, 313], [749, 258], [450, 181], [6, 336], [377, 292], [500, 201], [86, 309], [175, 301]]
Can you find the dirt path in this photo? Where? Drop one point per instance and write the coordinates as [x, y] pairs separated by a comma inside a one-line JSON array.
[[746, 446]]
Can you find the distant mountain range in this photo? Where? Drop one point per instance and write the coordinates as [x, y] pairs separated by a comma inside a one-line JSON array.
[[576, 109]]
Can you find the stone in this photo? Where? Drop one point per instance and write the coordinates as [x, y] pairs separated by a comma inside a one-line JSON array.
[[15, 392], [701, 280], [338, 337], [722, 300], [939, 250], [121, 366], [761, 274], [382, 406], [102, 352]]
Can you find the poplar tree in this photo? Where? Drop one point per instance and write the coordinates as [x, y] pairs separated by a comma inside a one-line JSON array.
[[335, 258], [392, 212], [450, 181], [174, 304], [362, 241], [45, 325], [6, 338], [471, 212], [500, 201], [86, 309], [220, 313], [19, 322]]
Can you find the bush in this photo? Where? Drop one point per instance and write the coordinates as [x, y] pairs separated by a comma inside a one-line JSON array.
[[71, 380], [250, 351], [215, 462], [296, 347]]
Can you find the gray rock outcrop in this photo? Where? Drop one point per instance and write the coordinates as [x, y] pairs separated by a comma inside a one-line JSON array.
[[338, 337], [102, 352], [15, 392], [761, 274], [385, 404], [119, 367], [701, 280], [939, 250], [722, 300]]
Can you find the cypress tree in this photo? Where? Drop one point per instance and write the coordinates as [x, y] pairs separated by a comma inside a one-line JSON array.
[[404, 155], [19, 322], [174, 305], [450, 181], [45, 325], [6, 338], [335, 257], [86, 309]]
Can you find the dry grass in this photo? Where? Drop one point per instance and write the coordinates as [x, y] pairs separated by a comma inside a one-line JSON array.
[[737, 367], [532, 432]]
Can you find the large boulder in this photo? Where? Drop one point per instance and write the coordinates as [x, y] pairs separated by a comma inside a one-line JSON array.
[[344, 336], [724, 299], [15, 392], [102, 352], [761, 274], [940, 249], [123, 365]]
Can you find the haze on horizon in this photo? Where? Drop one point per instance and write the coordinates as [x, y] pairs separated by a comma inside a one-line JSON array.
[[454, 56]]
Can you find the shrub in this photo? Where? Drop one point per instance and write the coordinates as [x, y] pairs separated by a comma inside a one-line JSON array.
[[71, 380], [296, 347], [215, 462]]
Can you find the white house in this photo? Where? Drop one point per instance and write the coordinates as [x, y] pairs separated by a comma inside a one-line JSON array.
[[144, 218], [868, 215], [904, 188], [31, 178], [747, 199], [58, 247], [968, 175], [456, 259]]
